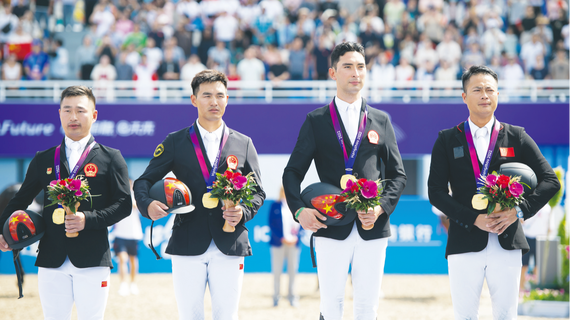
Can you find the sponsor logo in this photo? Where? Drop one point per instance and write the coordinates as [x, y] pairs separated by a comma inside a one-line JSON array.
[[8, 127]]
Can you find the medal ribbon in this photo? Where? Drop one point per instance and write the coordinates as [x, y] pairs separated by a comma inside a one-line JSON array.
[[473, 152], [208, 177], [77, 166], [348, 162]]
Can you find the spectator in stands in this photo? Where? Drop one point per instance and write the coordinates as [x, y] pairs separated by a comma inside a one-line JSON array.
[[472, 57], [36, 63], [512, 74], [60, 61], [426, 71], [191, 68], [8, 23], [274, 8], [219, 55], [263, 29], [382, 72], [205, 45], [124, 70], [11, 69], [137, 37], [530, 50], [232, 73], [446, 72], [286, 32], [496, 66], [425, 52], [183, 38], [251, 69], [393, 12], [559, 67], [539, 71], [278, 72], [124, 25], [432, 24], [305, 23], [511, 44], [103, 16], [85, 58], [153, 53], [449, 50], [20, 8], [169, 68], [472, 21], [404, 71], [492, 40], [529, 20], [19, 36], [321, 59], [188, 8], [225, 27], [43, 9], [346, 35], [157, 31], [145, 77], [30, 25], [107, 48], [133, 57], [104, 70], [298, 67]]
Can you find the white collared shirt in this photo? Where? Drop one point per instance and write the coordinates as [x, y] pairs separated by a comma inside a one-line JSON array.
[[211, 141], [481, 152], [72, 157], [343, 110]]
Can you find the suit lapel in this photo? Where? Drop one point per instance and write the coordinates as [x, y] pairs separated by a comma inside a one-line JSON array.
[[91, 154], [225, 151]]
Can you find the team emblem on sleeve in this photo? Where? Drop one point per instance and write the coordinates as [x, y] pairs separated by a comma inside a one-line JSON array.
[[159, 150]]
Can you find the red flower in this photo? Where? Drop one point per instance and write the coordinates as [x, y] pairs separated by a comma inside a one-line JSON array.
[[59, 196], [503, 181], [361, 182], [62, 182], [507, 194], [492, 191], [228, 174]]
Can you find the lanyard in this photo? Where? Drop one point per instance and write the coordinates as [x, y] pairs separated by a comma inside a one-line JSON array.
[[348, 161], [77, 166], [473, 152], [208, 177]]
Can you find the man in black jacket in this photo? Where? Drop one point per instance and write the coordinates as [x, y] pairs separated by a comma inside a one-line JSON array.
[[76, 269], [202, 253], [368, 137], [482, 246]]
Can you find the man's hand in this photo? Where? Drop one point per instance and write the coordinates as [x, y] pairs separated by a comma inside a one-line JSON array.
[[233, 215], [74, 222], [502, 220], [309, 221], [3, 245], [156, 210], [289, 242], [482, 221], [369, 218]]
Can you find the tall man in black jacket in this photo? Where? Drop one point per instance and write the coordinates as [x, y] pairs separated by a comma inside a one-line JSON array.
[[201, 252], [76, 269], [483, 247], [339, 247]]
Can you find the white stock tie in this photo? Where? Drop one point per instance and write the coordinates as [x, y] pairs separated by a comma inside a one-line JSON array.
[[351, 126], [211, 146], [481, 144], [75, 154]]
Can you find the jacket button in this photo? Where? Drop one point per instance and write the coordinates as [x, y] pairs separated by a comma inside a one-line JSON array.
[[209, 213], [466, 226], [461, 224], [506, 235]]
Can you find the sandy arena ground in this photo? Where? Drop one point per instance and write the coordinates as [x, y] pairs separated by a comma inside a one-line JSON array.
[[406, 297]]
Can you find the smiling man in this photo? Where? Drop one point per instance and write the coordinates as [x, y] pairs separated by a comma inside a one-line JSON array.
[[366, 134], [482, 246], [202, 253], [76, 270]]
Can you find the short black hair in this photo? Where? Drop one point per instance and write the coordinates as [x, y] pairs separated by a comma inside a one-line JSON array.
[[473, 70], [340, 49], [208, 76], [78, 91]]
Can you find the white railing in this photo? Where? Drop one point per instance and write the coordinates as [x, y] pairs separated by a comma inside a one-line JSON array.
[[267, 91]]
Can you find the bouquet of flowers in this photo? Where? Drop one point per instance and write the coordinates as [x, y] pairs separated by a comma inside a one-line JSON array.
[[502, 191], [232, 187], [362, 195], [68, 193]]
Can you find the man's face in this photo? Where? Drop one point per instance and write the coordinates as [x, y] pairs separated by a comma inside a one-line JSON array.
[[211, 101], [481, 95], [349, 73], [77, 114]]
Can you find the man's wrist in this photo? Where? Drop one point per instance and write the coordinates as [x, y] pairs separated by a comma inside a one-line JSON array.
[[520, 214], [298, 212]]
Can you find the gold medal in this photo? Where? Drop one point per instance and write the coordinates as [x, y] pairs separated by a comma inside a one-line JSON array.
[[208, 201], [344, 180], [58, 216], [478, 202]]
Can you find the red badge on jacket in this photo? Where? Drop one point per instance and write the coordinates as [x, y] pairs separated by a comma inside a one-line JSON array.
[[232, 162], [507, 152], [91, 170], [373, 137]]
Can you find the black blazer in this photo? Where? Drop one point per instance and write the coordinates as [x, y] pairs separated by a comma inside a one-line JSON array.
[[317, 141], [451, 164], [111, 203], [193, 232]]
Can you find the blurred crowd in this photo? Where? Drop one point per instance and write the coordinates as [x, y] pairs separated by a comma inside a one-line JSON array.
[[149, 40]]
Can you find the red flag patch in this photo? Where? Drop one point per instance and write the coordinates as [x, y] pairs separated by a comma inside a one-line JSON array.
[[103, 284], [507, 152], [241, 266]]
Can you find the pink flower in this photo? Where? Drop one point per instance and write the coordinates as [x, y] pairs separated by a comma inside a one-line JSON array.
[[74, 185], [78, 193], [239, 182], [516, 189], [369, 189], [351, 186], [491, 180], [53, 183]]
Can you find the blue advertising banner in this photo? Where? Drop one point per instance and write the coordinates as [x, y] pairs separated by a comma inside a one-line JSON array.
[[136, 129], [417, 245]]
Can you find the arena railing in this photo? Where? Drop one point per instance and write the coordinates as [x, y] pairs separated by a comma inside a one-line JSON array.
[[268, 91]]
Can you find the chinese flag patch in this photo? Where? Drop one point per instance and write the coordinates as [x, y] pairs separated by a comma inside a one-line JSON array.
[[241, 266], [103, 284], [507, 152]]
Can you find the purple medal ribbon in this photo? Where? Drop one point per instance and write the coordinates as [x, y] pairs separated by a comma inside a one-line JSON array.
[[473, 152], [208, 177], [77, 166], [348, 162]]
